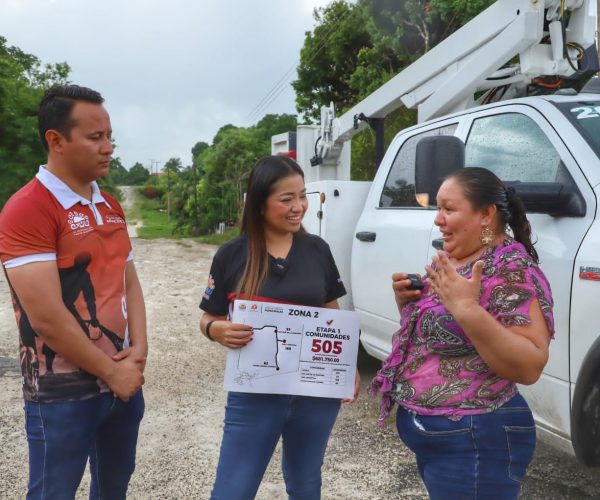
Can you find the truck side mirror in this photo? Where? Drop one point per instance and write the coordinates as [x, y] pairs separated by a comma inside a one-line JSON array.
[[436, 158]]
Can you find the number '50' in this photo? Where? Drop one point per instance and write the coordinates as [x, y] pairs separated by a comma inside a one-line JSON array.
[[327, 346]]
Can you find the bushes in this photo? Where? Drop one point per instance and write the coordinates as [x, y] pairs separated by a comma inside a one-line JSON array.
[[150, 192]]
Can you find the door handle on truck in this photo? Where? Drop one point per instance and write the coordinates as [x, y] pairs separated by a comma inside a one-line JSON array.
[[366, 236]]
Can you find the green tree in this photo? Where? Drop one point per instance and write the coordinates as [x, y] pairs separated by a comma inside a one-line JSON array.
[[228, 166], [272, 124], [23, 80], [171, 170], [118, 171], [355, 48], [457, 13], [137, 175], [222, 132], [110, 182], [211, 190], [190, 213], [198, 149], [173, 165], [329, 58]]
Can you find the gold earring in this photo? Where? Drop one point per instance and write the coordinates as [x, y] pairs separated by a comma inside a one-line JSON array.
[[487, 235]]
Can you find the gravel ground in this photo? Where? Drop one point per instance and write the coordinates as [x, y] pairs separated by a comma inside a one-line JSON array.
[[181, 431]]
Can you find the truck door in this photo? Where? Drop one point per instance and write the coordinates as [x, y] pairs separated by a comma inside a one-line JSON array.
[[517, 142], [393, 234]]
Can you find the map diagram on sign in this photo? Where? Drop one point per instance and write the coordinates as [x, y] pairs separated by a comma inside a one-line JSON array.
[[294, 350], [271, 352]]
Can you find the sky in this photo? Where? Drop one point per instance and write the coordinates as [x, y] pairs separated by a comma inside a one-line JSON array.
[[172, 71]]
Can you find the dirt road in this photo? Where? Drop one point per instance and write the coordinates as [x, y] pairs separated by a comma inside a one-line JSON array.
[[181, 431], [127, 203]]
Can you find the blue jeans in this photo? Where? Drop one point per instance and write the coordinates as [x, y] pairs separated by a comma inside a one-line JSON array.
[[61, 436], [477, 457], [253, 425]]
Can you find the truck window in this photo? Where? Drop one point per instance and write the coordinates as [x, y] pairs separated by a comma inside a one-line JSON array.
[[512, 146], [399, 189], [585, 115]]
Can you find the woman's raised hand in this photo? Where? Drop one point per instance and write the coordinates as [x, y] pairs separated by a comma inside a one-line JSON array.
[[457, 293], [402, 293]]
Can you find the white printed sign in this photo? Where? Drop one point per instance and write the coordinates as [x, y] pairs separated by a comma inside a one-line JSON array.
[[306, 351]]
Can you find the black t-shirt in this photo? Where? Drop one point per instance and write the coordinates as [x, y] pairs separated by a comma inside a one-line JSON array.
[[308, 276]]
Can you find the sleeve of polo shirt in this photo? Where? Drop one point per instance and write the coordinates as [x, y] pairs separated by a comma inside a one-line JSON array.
[[215, 300], [334, 286], [27, 233]]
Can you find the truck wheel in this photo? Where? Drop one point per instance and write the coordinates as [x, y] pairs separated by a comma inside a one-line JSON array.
[[585, 412]]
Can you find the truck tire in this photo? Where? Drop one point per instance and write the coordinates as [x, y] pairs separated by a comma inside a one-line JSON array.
[[585, 412]]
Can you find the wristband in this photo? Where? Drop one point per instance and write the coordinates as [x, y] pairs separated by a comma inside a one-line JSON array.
[[208, 330]]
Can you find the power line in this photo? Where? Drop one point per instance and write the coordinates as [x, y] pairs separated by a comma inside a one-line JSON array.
[[281, 84], [276, 92], [273, 98]]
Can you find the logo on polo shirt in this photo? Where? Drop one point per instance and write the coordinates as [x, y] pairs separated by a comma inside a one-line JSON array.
[[210, 288], [77, 220], [114, 219]]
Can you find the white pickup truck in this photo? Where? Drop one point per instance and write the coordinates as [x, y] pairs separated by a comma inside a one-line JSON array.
[[547, 146]]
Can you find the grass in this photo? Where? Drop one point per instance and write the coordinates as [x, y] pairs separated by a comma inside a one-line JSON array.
[[156, 224], [219, 239]]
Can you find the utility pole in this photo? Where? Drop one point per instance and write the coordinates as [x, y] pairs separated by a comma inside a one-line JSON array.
[[153, 163], [195, 176], [168, 195]]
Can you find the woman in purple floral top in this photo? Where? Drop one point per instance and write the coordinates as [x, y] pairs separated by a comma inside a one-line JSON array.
[[481, 324]]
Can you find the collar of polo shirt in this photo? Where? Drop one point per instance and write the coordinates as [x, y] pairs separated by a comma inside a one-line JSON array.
[[64, 194]]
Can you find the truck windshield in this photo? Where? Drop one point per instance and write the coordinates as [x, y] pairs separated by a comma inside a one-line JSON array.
[[585, 115]]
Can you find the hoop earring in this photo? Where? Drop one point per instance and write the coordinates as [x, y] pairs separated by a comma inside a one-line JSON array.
[[487, 235]]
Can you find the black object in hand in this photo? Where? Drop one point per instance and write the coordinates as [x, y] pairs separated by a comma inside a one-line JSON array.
[[415, 282]]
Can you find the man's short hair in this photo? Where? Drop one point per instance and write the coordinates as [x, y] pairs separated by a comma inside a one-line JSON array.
[[56, 106]]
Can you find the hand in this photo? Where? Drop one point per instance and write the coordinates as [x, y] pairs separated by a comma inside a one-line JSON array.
[[356, 389], [134, 354], [457, 293], [402, 294], [232, 335], [126, 378]]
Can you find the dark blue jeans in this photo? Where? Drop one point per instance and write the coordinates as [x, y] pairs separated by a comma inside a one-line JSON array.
[[61, 436], [253, 425], [477, 457]]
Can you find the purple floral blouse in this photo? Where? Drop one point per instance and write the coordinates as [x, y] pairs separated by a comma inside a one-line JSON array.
[[433, 368]]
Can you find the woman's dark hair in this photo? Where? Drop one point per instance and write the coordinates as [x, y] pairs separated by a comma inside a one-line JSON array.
[[264, 175], [483, 188], [56, 106]]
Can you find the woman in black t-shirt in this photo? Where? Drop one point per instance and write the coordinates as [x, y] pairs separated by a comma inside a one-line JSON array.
[[273, 259]]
